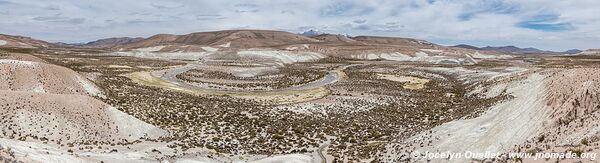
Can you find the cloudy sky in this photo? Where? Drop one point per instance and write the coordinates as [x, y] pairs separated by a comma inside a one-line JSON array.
[[546, 24]]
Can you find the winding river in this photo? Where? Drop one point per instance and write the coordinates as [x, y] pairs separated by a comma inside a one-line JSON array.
[[331, 77]]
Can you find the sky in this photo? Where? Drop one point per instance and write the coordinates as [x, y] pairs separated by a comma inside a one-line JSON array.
[[546, 24]]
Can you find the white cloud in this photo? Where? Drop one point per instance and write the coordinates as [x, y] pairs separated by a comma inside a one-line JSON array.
[[478, 22]]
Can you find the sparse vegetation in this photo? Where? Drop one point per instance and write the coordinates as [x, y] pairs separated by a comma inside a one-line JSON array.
[[362, 114]]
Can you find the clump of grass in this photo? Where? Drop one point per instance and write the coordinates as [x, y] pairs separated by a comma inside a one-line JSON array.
[[585, 142], [577, 151]]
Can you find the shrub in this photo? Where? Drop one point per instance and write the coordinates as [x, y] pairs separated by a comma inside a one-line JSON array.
[[585, 142], [277, 136], [541, 138], [577, 151]]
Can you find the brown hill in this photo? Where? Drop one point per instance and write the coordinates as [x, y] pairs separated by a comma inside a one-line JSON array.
[[277, 45], [229, 38], [111, 42], [21, 42], [343, 46], [245, 39], [156, 40]]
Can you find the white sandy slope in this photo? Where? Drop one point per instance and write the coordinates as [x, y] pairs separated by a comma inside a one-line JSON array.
[[40, 152], [2, 42], [53, 102], [288, 158], [496, 130], [131, 127], [155, 53], [279, 57], [284, 57], [36, 94], [69, 118], [17, 75], [226, 45], [210, 49], [418, 57], [291, 158], [89, 87], [165, 55], [37, 152], [472, 76], [478, 55], [150, 49], [42, 101]]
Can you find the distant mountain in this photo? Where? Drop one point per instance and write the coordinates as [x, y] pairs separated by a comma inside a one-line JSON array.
[[466, 47], [516, 50], [311, 33], [102, 43], [573, 51], [111, 42]]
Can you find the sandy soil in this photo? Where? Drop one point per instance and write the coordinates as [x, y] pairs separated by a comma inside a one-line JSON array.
[[496, 130], [292, 158], [39, 152], [412, 83], [553, 110], [573, 102], [49, 104], [69, 118], [478, 55], [29, 151], [421, 56], [164, 55], [119, 66]]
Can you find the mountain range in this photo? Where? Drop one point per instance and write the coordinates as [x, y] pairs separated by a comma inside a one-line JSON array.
[[266, 38], [516, 50]]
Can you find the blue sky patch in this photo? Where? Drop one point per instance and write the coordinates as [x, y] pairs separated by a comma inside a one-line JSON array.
[[496, 7], [549, 27], [546, 22]]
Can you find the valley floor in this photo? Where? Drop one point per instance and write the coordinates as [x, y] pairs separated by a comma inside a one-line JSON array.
[[151, 110]]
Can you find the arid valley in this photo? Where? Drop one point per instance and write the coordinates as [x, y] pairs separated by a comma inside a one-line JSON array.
[[310, 81], [268, 96]]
